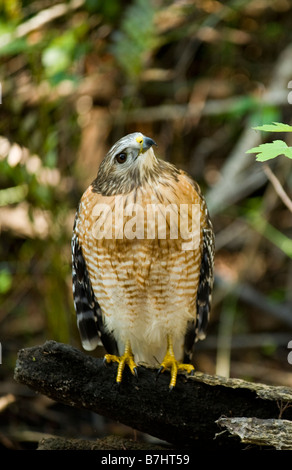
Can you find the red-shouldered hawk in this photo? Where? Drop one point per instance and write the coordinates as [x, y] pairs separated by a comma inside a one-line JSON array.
[[142, 280]]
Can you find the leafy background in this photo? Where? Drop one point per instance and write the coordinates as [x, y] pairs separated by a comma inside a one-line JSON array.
[[198, 77]]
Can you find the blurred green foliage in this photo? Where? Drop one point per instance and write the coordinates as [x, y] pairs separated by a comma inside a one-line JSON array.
[[136, 39], [5, 281], [63, 52]]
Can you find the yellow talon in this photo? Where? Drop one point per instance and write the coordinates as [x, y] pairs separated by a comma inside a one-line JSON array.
[[126, 358], [170, 362]]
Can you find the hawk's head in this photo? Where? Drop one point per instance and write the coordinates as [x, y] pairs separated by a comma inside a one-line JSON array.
[[129, 162]]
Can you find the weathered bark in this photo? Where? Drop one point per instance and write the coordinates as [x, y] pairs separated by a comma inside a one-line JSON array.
[[264, 432], [115, 443], [187, 417]]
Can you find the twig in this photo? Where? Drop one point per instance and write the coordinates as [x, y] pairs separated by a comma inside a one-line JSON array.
[[176, 112], [283, 407], [278, 187]]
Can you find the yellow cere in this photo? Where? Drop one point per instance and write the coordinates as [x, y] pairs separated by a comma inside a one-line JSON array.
[[139, 140]]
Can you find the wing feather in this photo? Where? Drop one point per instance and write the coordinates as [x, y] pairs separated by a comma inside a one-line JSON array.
[[196, 329], [89, 315]]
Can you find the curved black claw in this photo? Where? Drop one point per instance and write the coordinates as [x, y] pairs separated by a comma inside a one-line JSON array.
[[159, 372], [105, 363], [135, 370]]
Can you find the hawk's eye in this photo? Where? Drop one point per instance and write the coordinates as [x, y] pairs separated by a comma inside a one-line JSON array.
[[121, 157]]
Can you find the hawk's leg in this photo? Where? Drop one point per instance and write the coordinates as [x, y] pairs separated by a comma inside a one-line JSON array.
[[126, 358], [170, 362]]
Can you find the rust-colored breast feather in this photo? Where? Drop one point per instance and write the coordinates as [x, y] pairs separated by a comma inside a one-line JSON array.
[[148, 286]]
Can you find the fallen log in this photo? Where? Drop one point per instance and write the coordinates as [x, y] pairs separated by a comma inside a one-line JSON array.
[[187, 417]]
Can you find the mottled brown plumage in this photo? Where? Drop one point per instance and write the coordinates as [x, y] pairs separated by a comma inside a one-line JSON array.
[[146, 298]]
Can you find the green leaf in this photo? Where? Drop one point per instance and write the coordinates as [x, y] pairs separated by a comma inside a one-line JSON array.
[[271, 150], [275, 127]]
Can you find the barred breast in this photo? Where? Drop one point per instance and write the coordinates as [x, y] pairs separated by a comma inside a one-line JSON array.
[[146, 287]]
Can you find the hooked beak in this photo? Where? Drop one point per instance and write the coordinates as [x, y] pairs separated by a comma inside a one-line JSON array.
[[147, 143]]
